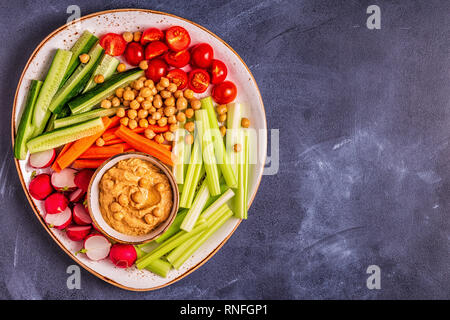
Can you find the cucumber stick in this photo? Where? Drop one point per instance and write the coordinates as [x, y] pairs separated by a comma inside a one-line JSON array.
[[50, 86], [25, 130], [83, 45], [93, 97], [106, 68], [58, 137], [77, 80], [77, 118]]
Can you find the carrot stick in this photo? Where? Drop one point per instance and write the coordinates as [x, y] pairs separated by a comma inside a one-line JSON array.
[[95, 152], [138, 130], [113, 141], [87, 164], [167, 146], [157, 129], [55, 165], [110, 132], [109, 137], [143, 144], [114, 122], [81, 145]]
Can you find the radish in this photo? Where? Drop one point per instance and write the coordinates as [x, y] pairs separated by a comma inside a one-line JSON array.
[[80, 215], [76, 195], [55, 203], [96, 247], [64, 180], [77, 233], [123, 255], [40, 187], [83, 178], [42, 159], [59, 220]]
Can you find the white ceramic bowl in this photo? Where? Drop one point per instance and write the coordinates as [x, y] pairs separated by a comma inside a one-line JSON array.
[[94, 205]]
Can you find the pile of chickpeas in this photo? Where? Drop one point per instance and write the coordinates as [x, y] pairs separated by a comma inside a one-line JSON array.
[[145, 103]]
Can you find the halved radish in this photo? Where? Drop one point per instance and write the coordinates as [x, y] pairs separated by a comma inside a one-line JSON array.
[[64, 180], [55, 203], [77, 233], [40, 187], [42, 159], [59, 220], [83, 178], [96, 247], [80, 215], [76, 195]]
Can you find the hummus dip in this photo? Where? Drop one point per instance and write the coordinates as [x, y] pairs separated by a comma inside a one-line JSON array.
[[135, 197]]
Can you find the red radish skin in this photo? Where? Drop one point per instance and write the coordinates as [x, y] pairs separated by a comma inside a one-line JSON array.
[[96, 247], [59, 220], [83, 178], [81, 216], [56, 203], [64, 180], [77, 233], [40, 187], [123, 255], [43, 159], [76, 195]]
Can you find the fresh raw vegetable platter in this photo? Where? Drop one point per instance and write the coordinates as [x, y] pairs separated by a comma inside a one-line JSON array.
[[131, 82]]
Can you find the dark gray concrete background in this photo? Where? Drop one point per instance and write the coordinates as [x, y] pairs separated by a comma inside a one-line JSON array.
[[364, 119]]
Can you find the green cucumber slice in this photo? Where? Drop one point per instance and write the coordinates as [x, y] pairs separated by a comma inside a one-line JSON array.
[[83, 45], [93, 97], [106, 68], [57, 138], [81, 117], [51, 84], [65, 112], [77, 80], [25, 130]]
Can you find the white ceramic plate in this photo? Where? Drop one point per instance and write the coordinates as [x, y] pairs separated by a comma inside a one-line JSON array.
[[131, 20]]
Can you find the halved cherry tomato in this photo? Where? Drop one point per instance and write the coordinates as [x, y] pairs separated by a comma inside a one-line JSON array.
[[218, 71], [177, 59], [113, 43], [151, 34], [198, 80], [177, 38], [224, 92], [179, 77], [134, 53], [202, 55], [155, 49], [157, 68]]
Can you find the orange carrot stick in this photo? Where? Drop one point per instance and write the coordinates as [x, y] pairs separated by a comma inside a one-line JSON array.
[[55, 165], [114, 122], [167, 146], [87, 164], [138, 130], [109, 137], [95, 152], [113, 141]]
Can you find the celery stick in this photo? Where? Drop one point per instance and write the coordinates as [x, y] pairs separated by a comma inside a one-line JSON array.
[[178, 151], [209, 159], [216, 214], [240, 201], [227, 195], [174, 227], [169, 245], [139, 252], [203, 237], [159, 267], [192, 176], [178, 251], [233, 127], [219, 147], [196, 208]]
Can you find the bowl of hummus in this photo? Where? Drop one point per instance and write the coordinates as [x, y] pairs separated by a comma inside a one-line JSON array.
[[133, 198]]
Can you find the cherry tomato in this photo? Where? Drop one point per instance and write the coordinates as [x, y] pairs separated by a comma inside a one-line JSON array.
[[202, 55], [198, 80], [224, 92], [157, 68], [113, 43], [134, 53], [151, 34], [177, 59], [179, 77], [177, 38], [154, 49], [218, 71]]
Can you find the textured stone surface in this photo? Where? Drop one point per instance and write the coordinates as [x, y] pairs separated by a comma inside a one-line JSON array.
[[364, 174]]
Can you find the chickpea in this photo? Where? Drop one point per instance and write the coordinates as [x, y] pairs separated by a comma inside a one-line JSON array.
[[195, 104], [157, 103], [118, 216], [173, 127], [146, 105], [143, 65], [168, 136], [84, 58], [152, 110], [181, 103], [245, 123], [154, 90], [120, 112], [237, 147], [159, 138], [128, 95], [157, 212], [189, 139], [132, 124], [115, 102], [144, 182], [149, 133], [164, 82], [115, 207], [221, 109], [169, 111], [156, 116], [223, 117], [145, 92], [160, 187], [127, 36], [143, 123], [123, 200], [126, 103], [119, 92], [138, 84], [162, 122], [172, 87], [189, 113], [140, 99], [178, 94], [165, 94], [151, 121], [181, 117], [132, 114], [149, 218], [134, 104], [106, 104], [142, 114], [159, 87], [149, 83], [149, 98], [172, 119], [189, 126], [138, 197], [121, 67], [137, 36], [99, 78], [169, 102], [223, 130], [188, 94], [143, 78], [100, 142], [124, 121]]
